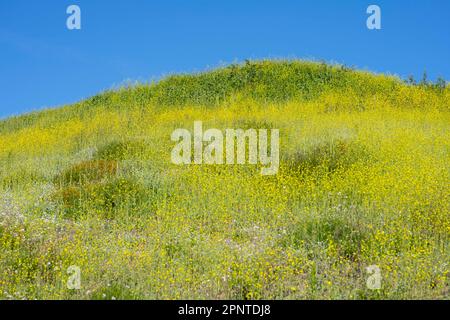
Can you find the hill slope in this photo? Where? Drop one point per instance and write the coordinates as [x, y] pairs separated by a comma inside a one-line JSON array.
[[363, 180]]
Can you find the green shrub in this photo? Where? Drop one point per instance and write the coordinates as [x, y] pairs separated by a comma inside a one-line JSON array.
[[122, 150], [114, 291], [87, 172], [329, 155], [313, 232], [107, 198]]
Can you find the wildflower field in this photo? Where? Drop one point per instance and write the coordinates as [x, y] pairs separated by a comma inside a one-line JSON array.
[[363, 181]]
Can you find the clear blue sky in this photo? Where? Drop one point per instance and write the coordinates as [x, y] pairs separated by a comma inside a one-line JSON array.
[[43, 64]]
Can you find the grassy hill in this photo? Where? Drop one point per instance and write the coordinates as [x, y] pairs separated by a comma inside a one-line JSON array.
[[363, 181]]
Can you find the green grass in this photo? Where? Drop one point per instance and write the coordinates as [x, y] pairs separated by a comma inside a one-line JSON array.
[[363, 180]]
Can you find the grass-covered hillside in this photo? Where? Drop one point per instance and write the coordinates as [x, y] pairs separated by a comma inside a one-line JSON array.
[[363, 181]]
